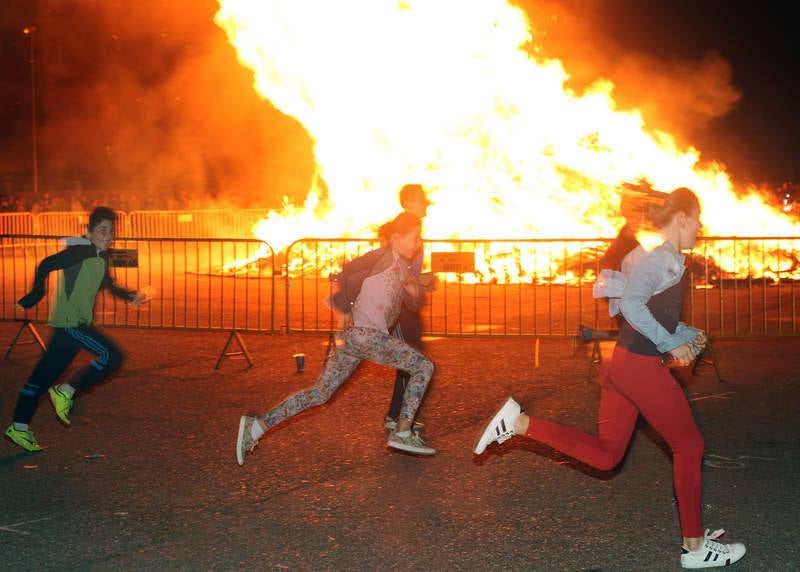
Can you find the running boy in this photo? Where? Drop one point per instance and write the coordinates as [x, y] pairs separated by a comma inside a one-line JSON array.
[[84, 271]]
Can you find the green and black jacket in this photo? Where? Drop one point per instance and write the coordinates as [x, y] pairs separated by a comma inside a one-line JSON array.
[[84, 272]]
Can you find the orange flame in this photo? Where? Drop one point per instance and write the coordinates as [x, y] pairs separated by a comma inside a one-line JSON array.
[[397, 91]]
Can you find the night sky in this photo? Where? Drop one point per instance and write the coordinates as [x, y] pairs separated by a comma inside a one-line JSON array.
[[149, 95], [761, 134]]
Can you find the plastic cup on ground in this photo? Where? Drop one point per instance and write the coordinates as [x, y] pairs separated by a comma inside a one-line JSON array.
[[300, 362]]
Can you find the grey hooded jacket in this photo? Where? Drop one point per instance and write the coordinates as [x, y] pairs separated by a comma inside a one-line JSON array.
[[645, 274]]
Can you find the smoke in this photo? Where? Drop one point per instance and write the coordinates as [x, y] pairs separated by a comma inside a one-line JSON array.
[[598, 39], [147, 97]]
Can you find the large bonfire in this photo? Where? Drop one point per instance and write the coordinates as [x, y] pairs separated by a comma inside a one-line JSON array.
[[449, 94]]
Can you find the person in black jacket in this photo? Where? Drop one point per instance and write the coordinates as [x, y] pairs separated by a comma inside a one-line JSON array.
[[409, 325], [637, 198], [371, 290]]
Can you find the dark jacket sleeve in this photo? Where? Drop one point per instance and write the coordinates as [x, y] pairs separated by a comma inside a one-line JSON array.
[[415, 303], [58, 261], [351, 277], [116, 290]]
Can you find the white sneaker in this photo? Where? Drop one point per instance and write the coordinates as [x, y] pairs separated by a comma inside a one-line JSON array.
[[713, 553], [245, 442], [500, 428], [411, 444]]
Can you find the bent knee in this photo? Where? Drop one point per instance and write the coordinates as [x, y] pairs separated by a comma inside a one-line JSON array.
[[317, 397], [608, 462], [426, 368], [114, 361]]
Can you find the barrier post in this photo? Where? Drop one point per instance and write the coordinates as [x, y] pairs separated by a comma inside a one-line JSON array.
[[37, 339], [225, 353]]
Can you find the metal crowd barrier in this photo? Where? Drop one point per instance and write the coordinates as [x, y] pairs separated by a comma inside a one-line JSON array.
[[543, 287], [71, 223], [220, 223], [195, 283], [237, 223], [738, 287], [16, 223], [745, 286]]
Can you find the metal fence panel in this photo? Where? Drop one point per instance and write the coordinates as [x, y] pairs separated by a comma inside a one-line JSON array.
[[231, 223], [62, 223], [745, 286], [738, 286], [220, 223], [16, 223], [208, 284], [516, 288], [543, 287], [71, 223]]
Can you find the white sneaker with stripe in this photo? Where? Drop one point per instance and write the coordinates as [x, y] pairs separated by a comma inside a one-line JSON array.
[[713, 554], [500, 428]]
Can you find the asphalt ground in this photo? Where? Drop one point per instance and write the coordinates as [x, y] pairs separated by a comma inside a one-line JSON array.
[[146, 477]]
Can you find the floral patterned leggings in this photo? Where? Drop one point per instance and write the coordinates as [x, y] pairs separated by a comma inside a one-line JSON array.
[[353, 346]]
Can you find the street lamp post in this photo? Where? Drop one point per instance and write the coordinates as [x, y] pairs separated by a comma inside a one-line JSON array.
[[30, 31]]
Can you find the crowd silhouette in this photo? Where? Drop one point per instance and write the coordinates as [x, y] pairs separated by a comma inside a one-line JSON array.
[[80, 201]]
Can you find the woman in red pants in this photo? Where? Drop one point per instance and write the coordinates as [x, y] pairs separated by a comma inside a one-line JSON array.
[[637, 382]]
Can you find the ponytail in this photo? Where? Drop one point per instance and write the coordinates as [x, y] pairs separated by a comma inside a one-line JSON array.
[[661, 210]]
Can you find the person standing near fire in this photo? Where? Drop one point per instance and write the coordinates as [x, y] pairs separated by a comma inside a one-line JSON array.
[[83, 267], [371, 290], [625, 249], [632, 208], [409, 325], [649, 298]]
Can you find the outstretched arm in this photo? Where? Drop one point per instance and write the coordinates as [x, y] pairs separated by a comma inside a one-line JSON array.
[[57, 261], [117, 291]]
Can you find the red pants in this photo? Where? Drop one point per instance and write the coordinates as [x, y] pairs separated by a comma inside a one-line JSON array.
[[638, 384]]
